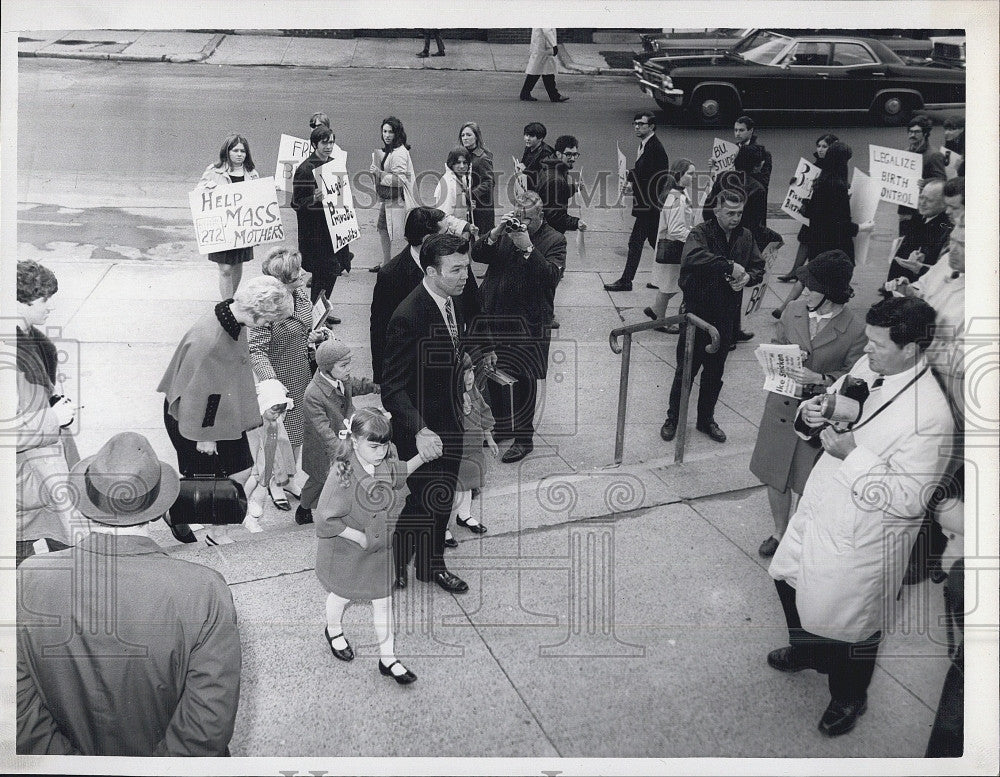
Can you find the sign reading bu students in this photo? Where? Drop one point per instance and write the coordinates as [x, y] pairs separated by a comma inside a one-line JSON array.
[[236, 215], [338, 201], [897, 174]]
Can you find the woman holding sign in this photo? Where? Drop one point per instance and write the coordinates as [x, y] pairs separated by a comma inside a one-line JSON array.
[[235, 165], [470, 137], [823, 143], [831, 339], [394, 177]]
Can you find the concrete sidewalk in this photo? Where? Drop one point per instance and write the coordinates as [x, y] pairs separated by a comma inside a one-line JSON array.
[[286, 51]]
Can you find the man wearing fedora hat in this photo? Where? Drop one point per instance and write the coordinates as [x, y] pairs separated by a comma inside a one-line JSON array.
[[121, 649]]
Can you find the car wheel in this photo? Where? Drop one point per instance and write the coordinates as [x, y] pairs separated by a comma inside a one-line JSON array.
[[892, 110], [713, 108]]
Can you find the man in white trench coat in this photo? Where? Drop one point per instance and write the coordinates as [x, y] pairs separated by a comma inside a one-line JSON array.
[[542, 62], [843, 556]]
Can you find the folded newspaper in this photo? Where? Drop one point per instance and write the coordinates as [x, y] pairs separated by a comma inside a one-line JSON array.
[[776, 360]]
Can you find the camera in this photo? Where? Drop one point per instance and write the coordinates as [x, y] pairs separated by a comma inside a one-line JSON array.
[[514, 224]]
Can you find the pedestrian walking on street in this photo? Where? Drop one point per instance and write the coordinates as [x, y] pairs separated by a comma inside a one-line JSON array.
[[470, 137], [676, 221], [394, 178], [542, 63], [315, 245], [235, 165], [355, 519], [427, 44], [645, 182]]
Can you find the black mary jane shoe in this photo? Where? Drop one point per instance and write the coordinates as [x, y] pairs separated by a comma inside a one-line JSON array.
[[347, 654], [450, 542], [403, 679], [476, 528]]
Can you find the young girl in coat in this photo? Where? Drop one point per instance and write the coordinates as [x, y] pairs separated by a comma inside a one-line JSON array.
[[477, 421], [357, 512], [272, 450]]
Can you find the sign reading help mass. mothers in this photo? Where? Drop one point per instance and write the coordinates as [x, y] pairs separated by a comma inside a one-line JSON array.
[[338, 201], [236, 215], [897, 174], [800, 189], [292, 152]]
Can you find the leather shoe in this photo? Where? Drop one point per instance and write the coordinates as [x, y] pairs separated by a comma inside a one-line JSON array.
[[743, 337], [652, 286], [620, 285], [181, 531], [475, 528], [403, 679], [347, 654], [768, 547], [840, 716], [669, 430], [786, 659], [712, 430], [332, 320], [559, 99], [516, 452], [449, 582], [450, 542], [528, 98], [424, 54], [303, 515], [776, 313], [650, 314]]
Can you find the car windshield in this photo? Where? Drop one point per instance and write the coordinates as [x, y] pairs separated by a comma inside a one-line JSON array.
[[761, 47]]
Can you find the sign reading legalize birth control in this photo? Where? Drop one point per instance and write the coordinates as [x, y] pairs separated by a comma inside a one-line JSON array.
[[338, 201], [236, 215], [897, 174]]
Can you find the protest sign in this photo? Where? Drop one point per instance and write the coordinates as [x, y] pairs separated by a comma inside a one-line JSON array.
[[952, 160], [520, 179], [800, 189], [756, 298], [291, 152], [776, 361], [864, 203], [622, 179], [236, 215], [723, 155], [338, 201], [897, 174]]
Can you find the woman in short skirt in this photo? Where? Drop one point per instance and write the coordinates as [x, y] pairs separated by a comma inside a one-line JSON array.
[[676, 220]]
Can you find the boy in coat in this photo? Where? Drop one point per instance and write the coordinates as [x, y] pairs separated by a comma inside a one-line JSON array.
[[327, 404]]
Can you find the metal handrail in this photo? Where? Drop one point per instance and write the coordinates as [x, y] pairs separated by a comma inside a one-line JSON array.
[[625, 348]]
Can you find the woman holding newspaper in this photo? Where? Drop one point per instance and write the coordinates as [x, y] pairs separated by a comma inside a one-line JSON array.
[[831, 339], [235, 165]]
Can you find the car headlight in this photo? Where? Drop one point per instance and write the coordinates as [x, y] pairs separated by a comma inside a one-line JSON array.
[[667, 82]]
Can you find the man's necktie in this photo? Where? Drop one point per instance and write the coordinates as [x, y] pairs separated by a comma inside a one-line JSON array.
[[877, 383], [449, 316]]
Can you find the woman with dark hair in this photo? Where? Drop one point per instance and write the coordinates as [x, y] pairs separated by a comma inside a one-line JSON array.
[[676, 221], [394, 177], [45, 449], [829, 212], [315, 245], [235, 165], [831, 339], [470, 137], [823, 143], [452, 192]]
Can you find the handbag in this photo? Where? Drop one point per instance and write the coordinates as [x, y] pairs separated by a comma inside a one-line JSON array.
[[213, 500], [387, 191], [669, 252]]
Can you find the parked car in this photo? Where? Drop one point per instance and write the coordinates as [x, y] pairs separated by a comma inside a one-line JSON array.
[[948, 50], [767, 71]]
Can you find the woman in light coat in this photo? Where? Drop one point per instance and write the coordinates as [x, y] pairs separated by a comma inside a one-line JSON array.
[[394, 179], [235, 165], [676, 221], [542, 62], [452, 193]]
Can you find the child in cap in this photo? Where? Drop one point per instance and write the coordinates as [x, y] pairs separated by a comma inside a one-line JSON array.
[[272, 450], [328, 400]]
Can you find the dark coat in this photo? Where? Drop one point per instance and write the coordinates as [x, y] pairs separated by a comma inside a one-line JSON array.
[[556, 190], [483, 184], [396, 279], [707, 259], [517, 294], [829, 212], [533, 161], [324, 410], [420, 375], [781, 458], [315, 244], [763, 177], [933, 167], [754, 212], [648, 178], [931, 237]]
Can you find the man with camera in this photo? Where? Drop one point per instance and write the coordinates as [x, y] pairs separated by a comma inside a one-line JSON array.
[[883, 428], [526, 258]]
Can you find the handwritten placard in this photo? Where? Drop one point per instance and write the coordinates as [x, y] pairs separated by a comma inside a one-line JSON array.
[[520, 179], [723, 156], [236, 215], [897, 174], [800, 190], [338, 201], [291, 153], [776, 361], [864, 203]]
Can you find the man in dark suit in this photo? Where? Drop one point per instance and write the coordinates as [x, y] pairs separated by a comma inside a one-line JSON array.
[[403, 273], [925, 235], [720, 258], [645, 181], [746, 138], [420, 387]]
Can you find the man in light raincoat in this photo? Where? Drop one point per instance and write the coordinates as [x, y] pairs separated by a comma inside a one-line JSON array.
[[542, 62]]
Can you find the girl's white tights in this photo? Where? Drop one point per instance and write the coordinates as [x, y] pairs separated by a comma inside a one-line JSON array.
[[382, 616]]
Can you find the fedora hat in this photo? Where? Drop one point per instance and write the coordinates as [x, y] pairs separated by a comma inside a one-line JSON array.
[[124, 484]]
